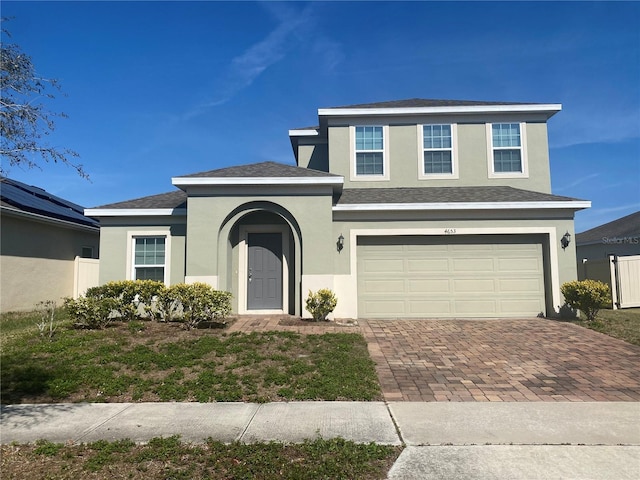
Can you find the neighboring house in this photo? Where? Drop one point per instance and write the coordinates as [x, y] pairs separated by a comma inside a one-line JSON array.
[[610, 253], [41, 236], [619, 237], [416, 208]]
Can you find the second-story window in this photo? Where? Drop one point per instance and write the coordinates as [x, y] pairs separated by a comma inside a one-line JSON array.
[[438, 149], [507, 147], [369, 150]]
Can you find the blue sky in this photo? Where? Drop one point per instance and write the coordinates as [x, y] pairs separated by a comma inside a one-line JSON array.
[[161, 89]]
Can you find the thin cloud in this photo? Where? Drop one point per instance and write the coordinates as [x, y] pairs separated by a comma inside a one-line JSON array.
[[577, 182], [248, 66], [619, 208], [578, 128]]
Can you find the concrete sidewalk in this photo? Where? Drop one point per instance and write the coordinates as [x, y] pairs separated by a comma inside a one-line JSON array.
[[520, 440]]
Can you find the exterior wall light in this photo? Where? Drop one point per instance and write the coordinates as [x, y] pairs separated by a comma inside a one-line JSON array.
[[565, 240], [340, 243]]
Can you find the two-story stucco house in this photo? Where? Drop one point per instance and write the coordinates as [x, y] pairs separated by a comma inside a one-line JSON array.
[[415, 208]]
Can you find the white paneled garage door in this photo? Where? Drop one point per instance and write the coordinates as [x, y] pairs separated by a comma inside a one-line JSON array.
[[452, 276]]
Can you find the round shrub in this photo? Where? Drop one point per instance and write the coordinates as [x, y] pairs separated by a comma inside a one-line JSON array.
[[588, 296], [194, 303]]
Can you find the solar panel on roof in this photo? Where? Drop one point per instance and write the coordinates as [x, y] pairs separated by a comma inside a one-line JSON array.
[[37, 200]]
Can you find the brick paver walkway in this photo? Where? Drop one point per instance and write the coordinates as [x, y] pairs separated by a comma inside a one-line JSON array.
[[500, 360], [485, 360]]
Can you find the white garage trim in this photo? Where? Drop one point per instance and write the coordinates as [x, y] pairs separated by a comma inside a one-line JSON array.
[[349, 308]]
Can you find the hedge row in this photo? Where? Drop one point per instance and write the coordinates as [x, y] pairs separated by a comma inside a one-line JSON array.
[[149, 300]]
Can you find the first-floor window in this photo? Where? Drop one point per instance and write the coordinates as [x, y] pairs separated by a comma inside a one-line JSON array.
[[149, 258]]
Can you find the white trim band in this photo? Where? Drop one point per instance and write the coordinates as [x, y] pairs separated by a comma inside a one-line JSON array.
[[304, 132], [135, 212], [205, 181], [370, 207], [551, 108]]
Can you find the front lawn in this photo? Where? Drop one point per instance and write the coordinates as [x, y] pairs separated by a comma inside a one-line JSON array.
[[170, 458], [623, 324], [150, 361]]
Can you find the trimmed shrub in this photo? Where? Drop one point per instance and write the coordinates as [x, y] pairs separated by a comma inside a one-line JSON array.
[[588, 296], [195, 303], [321, 304], [135, 299], [149, 300], [90, 312]]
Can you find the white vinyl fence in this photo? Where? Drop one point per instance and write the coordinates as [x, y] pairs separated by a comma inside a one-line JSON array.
[[622, 274], [86, 275]]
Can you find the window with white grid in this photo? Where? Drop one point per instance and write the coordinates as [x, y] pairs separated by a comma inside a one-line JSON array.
[[369, 154], [507, 147], [149, 258], [437, 143]]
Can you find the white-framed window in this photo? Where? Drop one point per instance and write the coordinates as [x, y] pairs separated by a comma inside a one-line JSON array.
[[438, 151], [370, 157], [86, 252], [147, 256], [507, 155]]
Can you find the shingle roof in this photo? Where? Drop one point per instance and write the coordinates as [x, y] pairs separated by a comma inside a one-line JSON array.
[[359, 196], [264, 169], [177, 199], [27, 198], [628, 226], [445, 195], [426, 102]]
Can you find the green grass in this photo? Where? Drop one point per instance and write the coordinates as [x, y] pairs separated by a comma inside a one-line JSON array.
[[162, 362], [164, 458], [623, 324]]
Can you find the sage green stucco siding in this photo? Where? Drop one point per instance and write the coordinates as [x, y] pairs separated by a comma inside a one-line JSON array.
[[213, 235], [211, 218], [405, 154], [115, 245]]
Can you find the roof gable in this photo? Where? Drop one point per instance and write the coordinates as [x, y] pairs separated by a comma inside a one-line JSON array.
[[262, 170]]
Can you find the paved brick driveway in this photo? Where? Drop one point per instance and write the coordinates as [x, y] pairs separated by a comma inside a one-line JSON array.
[[500, 360]]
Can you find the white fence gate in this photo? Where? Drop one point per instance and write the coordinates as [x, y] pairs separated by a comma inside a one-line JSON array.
[[622, 274], [85, 275], [627, 281]]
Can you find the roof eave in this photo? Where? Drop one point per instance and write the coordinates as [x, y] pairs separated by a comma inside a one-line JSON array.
[[304, 132], [550, 109], [364, 207], [52, 220], [243, 181], [135, 212]]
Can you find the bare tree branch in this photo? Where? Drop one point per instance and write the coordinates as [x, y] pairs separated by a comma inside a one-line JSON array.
[[24, 118]]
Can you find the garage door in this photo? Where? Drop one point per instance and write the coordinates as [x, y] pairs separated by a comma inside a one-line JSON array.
[[452, 276]]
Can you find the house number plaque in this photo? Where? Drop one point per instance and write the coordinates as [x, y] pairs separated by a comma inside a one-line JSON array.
[[449, 231]]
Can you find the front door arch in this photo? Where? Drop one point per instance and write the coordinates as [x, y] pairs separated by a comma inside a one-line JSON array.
[[233, 255]]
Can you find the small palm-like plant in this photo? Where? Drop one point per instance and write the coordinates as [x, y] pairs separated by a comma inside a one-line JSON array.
[[321, 304]]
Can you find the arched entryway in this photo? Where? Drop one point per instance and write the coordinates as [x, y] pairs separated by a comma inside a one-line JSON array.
[[260, 258]]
